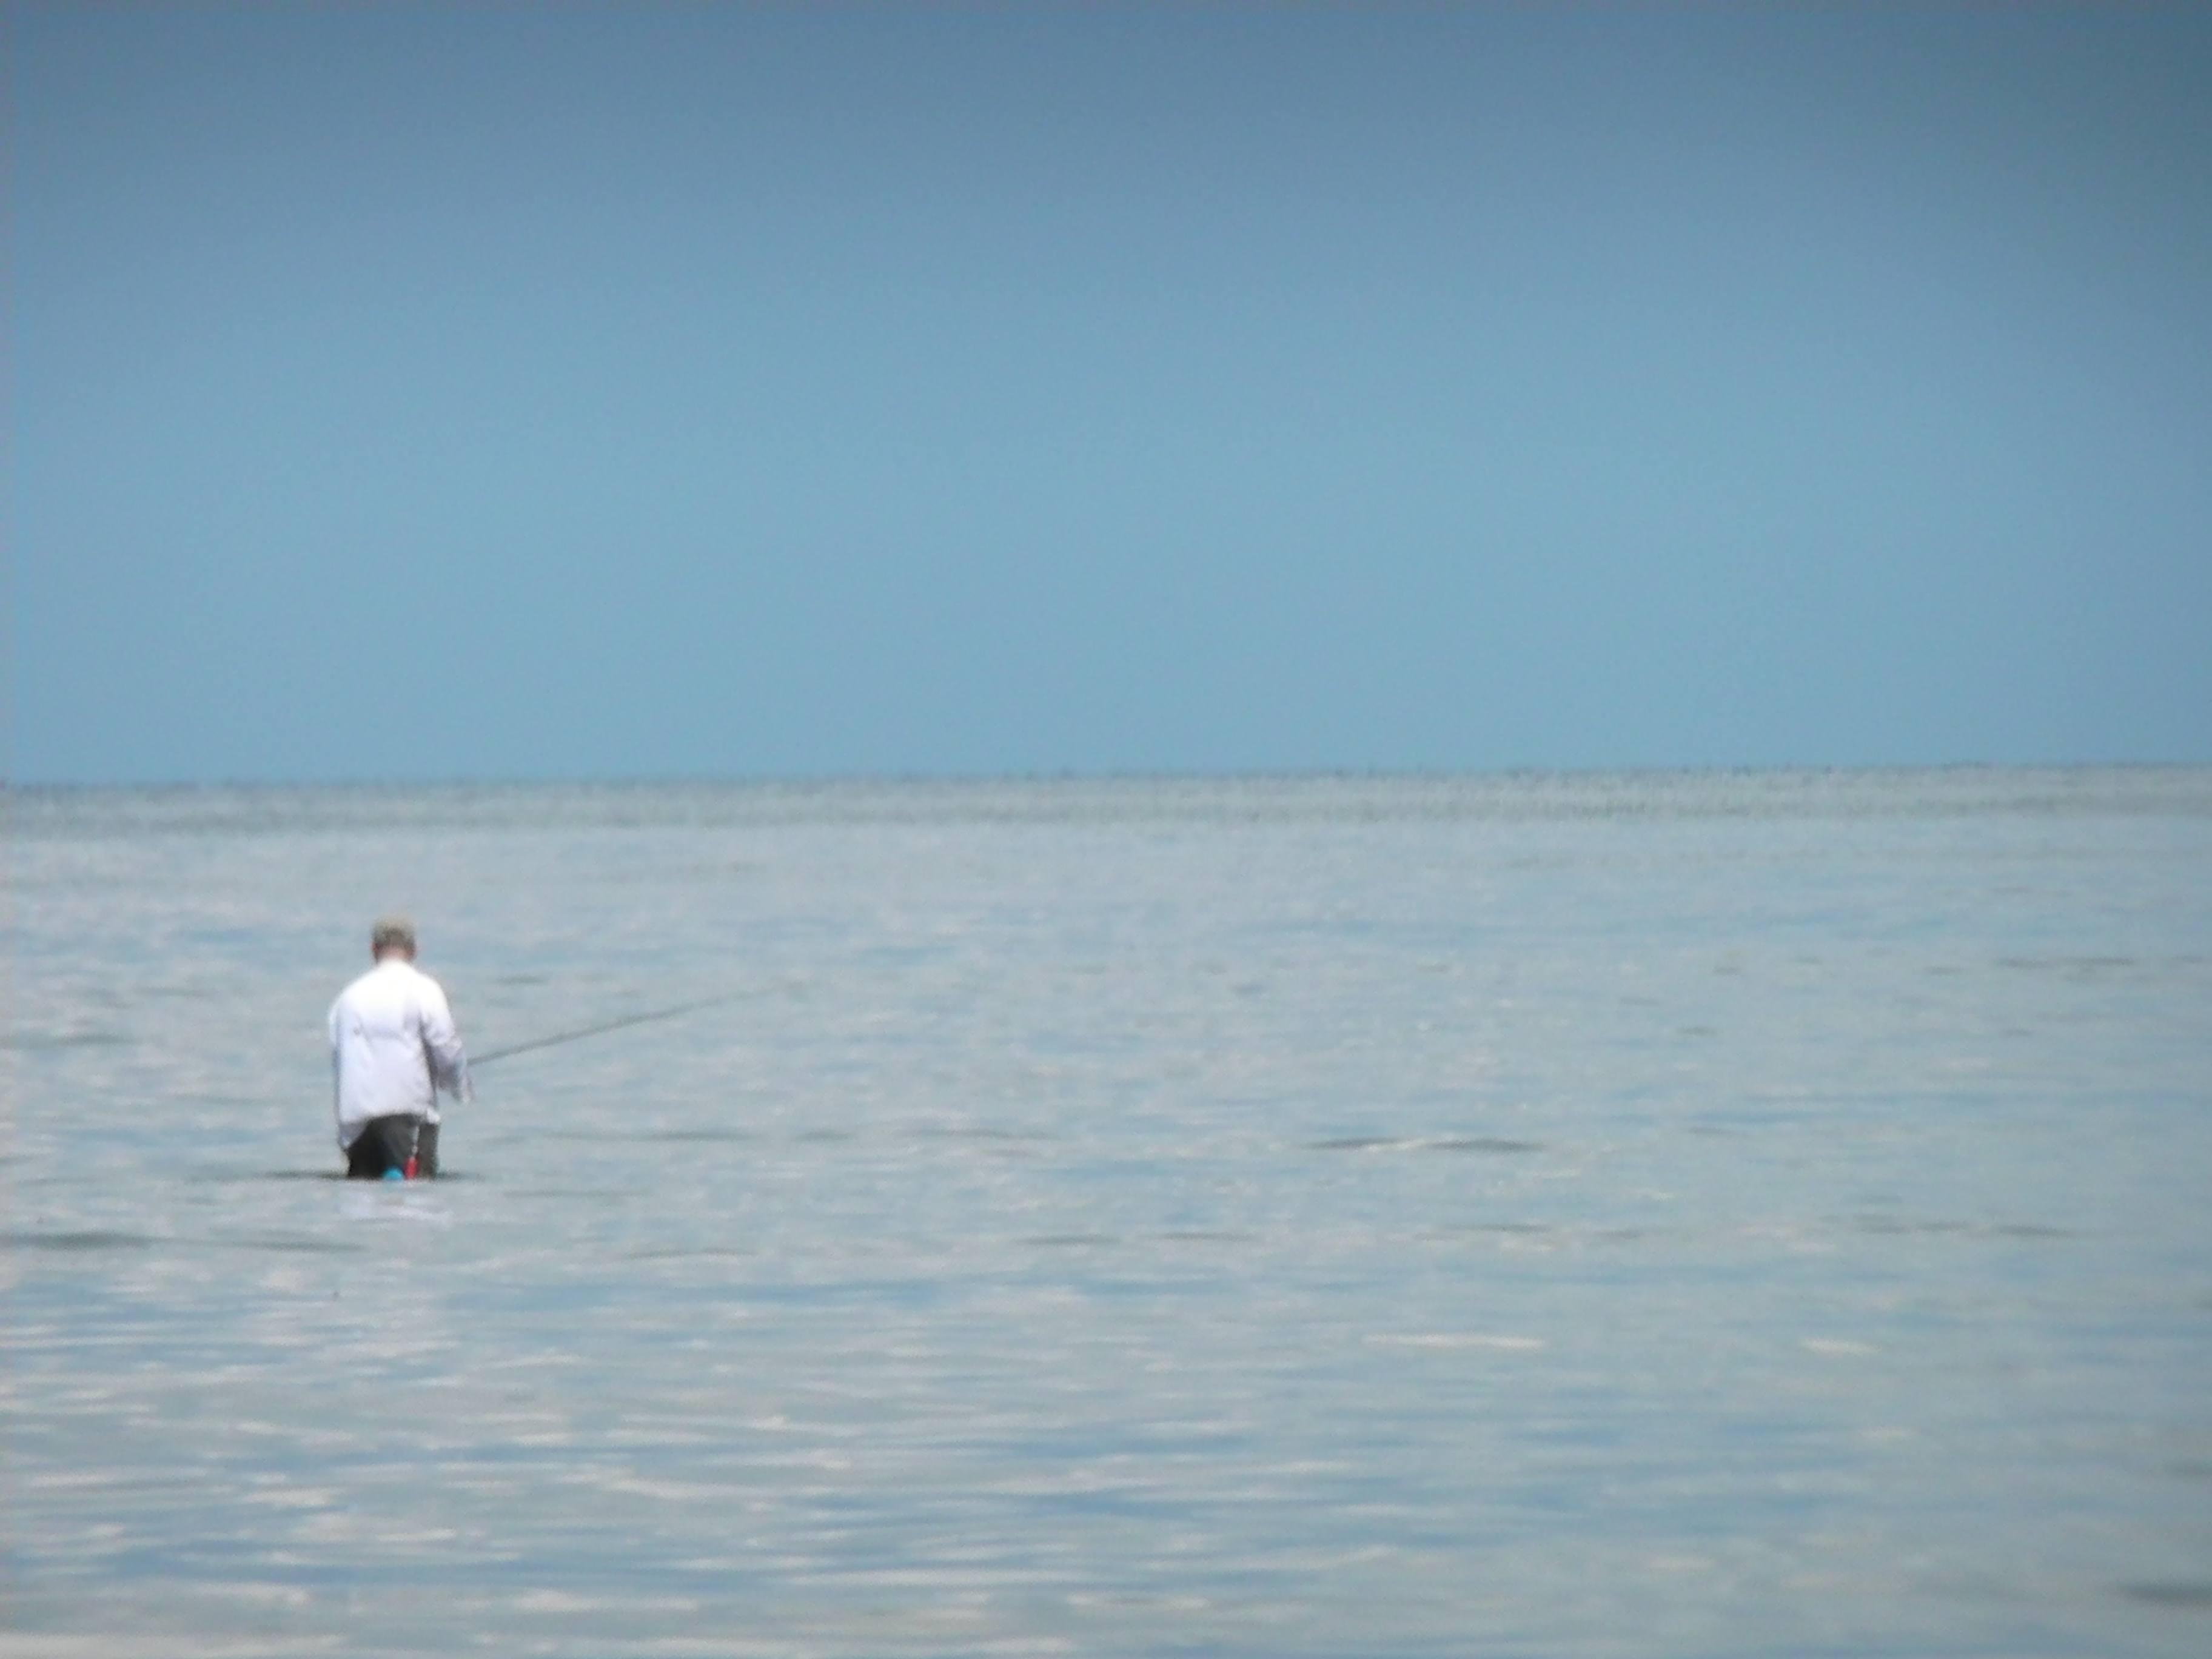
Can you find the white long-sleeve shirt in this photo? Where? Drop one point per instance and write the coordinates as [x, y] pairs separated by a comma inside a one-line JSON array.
[[394, 1046]]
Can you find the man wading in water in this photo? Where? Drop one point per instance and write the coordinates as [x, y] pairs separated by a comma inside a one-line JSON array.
[[392, 1047]]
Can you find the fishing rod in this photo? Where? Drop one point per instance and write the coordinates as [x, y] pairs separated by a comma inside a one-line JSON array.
[[559, 1037]]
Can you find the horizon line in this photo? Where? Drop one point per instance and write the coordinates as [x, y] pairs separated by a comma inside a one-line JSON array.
[[1076, 775]]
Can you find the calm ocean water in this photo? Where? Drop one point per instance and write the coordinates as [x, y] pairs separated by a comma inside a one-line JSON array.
[[1718, 1214]]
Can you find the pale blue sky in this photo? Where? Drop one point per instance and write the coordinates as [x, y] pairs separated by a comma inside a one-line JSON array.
[[596, 391]]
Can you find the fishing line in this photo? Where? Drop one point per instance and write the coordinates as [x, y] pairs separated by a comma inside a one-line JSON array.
[[535, 1043]]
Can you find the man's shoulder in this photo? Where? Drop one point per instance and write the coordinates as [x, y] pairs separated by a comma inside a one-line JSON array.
[[388, 980], [407, 983], [416, 977]]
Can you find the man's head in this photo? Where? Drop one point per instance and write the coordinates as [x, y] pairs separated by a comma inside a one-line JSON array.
[[392, 936]]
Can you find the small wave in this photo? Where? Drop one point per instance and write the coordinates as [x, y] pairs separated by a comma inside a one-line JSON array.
[[375, 1201], [2192, 1594], [41, 1041], [1423, 1144], [1456, 1340], [292, 1243], [86, 1239], [1940, 1227]]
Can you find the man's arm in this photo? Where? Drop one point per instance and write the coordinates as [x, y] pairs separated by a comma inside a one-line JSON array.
[[337, 1074], [441, 1042]]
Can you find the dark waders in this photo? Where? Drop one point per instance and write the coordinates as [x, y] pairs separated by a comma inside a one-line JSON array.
[[408, 1144]]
